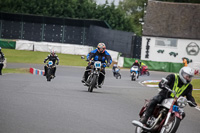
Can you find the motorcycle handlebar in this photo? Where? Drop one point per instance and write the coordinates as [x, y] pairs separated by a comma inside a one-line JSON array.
[[92, 61]]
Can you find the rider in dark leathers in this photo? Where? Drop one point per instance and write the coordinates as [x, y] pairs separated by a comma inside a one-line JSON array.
[[52, 57], [2, 58], [180, 83], [99, 54]]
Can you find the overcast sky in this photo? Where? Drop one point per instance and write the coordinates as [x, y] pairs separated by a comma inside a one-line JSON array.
[[109, 1]]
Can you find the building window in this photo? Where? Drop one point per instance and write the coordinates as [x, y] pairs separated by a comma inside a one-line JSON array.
[[166, 42]]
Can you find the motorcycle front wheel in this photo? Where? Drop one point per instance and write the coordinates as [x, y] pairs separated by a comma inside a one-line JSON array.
[[48, 76], [140, 130], [172, 125], [92, 83], [133, 77]]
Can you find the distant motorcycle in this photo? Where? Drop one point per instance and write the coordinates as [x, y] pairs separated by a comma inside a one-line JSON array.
[[134, 72], [49, 74], [117, 73], [166, 116], [94, 72], [144, 70]]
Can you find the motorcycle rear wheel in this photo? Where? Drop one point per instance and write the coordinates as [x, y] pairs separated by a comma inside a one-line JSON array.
[[148, 73]]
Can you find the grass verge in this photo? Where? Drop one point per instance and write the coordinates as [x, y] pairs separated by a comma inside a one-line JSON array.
[[15, 70], [36, 57]]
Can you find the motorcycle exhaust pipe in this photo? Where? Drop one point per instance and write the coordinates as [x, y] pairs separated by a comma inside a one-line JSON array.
[[139, 124]]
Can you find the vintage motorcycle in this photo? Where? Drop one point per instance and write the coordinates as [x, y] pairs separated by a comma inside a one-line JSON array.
[[117, 73], [49, 74], [94, 72], [166, 116], [134, 72], [144, 70]]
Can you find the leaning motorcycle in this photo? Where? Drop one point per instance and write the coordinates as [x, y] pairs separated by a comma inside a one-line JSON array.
[[166, 116], [134, 72], [50, 67], [144, 70], [94, 72]]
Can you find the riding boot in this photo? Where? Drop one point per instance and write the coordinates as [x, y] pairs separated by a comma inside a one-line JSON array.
[[100, 81]]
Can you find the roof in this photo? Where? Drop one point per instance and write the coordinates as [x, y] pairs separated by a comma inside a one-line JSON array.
[[172, 20]]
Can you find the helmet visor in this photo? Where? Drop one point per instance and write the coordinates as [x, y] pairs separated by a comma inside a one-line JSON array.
[[186, 76], [101, 50]]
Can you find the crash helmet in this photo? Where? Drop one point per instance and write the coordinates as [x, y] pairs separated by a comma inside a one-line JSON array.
[[136, 61], [115, 65], [186, 74], [52, 53], [101, 47]]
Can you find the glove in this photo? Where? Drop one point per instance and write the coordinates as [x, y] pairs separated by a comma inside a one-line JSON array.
[[57, 63], [108, 64], [44, 61], [163, 82]]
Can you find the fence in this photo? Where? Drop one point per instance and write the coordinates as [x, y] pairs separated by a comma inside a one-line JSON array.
[[71, 31]]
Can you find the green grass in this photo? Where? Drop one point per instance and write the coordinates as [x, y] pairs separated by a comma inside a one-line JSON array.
[[15, 70], [195, 83], [35, 57], [196, 95]]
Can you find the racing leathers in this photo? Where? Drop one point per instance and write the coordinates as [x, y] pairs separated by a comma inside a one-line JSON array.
[[53, 59], [2, 58], [174, 83], [96, 56]]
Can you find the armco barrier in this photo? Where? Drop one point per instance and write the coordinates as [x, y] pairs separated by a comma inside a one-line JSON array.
[[36, 71]]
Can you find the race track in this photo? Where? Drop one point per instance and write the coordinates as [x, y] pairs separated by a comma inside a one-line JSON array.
[[30, 104]]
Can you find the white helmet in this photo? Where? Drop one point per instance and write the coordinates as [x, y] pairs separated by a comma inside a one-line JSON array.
[[186, 74]]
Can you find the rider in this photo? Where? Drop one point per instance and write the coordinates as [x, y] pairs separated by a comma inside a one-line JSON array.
[[99, 54], [136, 64], [2, 58], [180, 83], [114, 69], [52, 57]]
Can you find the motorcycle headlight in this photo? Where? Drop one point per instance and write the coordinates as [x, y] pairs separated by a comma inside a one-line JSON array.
[[182, 102]]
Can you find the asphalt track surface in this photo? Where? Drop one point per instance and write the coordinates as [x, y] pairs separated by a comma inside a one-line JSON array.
[[30, 104]]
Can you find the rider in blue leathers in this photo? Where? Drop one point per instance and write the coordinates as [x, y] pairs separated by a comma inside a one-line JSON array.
[[99, 54]]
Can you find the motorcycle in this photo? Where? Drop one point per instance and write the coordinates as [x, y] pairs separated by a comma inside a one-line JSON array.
[[144, 70], [117, 73], [50, 67], [134, 72], [166, 116], [94, 72]]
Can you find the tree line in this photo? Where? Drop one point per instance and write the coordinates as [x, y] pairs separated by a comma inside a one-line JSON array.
[[124, 16]]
